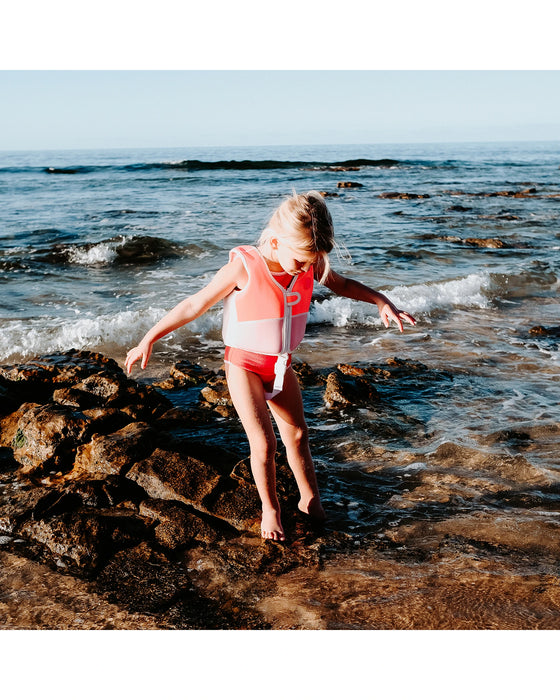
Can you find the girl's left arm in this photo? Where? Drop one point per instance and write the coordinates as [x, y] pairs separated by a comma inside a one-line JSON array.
[[346, 287]]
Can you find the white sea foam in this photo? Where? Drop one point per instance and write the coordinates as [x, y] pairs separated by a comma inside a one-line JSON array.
[[100, 254], [27, 338], [470, 292]]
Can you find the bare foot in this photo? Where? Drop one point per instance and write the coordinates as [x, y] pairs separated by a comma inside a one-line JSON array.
[[271, 526], [313, 508]]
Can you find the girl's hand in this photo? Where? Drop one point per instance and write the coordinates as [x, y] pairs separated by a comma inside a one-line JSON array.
[[139, 352], [389, 312]]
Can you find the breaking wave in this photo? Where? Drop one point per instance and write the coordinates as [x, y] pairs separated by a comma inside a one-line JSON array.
[[467, 292]]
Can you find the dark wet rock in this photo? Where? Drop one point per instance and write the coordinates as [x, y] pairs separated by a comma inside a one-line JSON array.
[[501, 467], [144, 580], [10, 396], [343, 390], [459, 207], [176, 526], [44, 438], [216, 392], [358, 371], [512, 530], [306, 375], [114, 453], [61, 368], [84, 539], [18, 504], [106, 420], [518, 194], [545, 331], [7, 462], [329, 194], [348, 185], [485, 243], [108, 492], [403, 195], [342, 168], [185, 374], [75, 398], [237, 502], [177, 418], [216, 396], [173, 476]]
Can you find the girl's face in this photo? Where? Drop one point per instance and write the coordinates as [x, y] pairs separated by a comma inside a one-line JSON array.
[[292, 260]]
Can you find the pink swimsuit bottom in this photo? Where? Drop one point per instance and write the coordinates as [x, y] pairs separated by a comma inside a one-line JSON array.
[[261, 365]]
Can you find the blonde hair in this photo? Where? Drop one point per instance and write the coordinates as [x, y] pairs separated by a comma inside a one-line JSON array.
[[306, 222]]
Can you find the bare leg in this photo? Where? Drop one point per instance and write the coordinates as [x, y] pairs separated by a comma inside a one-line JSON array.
[[247, 393], [287, 409]]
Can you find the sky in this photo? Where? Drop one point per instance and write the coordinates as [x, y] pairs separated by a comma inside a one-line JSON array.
[[67, 109]]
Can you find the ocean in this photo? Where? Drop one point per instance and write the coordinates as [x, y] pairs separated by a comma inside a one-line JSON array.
[[96, 246]]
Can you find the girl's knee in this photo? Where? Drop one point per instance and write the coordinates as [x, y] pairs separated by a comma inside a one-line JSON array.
[[263, 450], [297, 435]]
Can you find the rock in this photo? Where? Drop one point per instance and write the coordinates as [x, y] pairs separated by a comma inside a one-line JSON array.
[[216, 392], [403, 195], [109, 492], [75, 398], [485, 243], [345, 391], [306, 375], [61, 368], [45, 438], [114, 453], [329, 194], [370, 371], [83, 540], [11, 397], [238, 504], [502, 467], [186, 373], [349, 184], [176, 526], [106, 420], [529, 192], [550, 331], [17, 505], [173, 476], [177, 418], [342, 168], [144, 580]]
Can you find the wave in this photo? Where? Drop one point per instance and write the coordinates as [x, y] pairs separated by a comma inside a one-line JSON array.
[[29, 338], [467, 292], [135, 250]]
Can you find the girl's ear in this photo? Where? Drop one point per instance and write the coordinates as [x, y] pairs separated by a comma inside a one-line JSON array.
[[273, 243]]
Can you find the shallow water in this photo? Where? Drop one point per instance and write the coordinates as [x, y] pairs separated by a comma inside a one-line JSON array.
[[92, 258]]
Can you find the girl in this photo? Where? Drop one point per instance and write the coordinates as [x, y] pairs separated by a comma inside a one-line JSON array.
[[267, 294]]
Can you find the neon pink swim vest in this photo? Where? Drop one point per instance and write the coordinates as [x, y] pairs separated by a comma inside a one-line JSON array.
[[265, 317]]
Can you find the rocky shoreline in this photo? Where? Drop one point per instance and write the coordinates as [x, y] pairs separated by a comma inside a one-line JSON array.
[[100, 485]]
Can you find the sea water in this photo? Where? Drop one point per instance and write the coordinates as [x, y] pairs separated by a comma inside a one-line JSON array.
[[95, 246]]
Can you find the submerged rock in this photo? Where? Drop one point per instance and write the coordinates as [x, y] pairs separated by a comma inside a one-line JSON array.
[[403, 195], [546, 331], [343, 390]]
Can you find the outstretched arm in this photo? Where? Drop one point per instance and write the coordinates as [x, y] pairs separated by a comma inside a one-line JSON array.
[[346, 287], [187, 310]]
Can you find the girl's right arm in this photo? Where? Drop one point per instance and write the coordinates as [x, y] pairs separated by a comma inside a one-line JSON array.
[[224, 282]]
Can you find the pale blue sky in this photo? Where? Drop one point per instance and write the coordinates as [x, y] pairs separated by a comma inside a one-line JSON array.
[[106, 109]]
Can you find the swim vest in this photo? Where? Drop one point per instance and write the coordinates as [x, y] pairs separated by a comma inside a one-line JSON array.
[[265, 317]]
